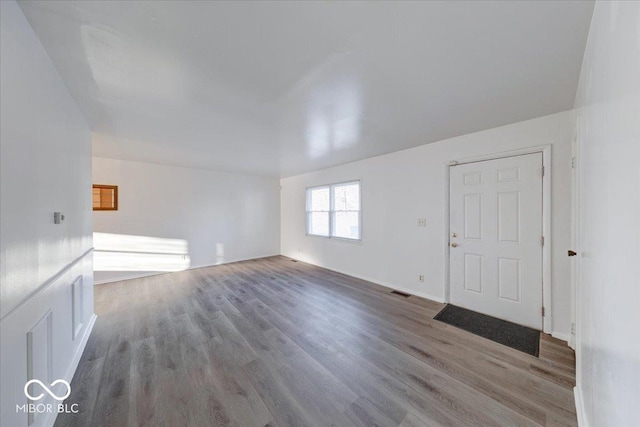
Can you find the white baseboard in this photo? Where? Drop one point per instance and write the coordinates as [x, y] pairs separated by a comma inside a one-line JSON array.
[[83, 343], [368, 279], [74, 364], [377, 282], [582, 417], [126, 277], [561, 336], [154, 273]]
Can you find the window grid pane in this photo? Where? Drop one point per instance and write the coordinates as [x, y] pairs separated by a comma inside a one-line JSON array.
[[319, 200], [346, 197], [346, 224], [318, 223]]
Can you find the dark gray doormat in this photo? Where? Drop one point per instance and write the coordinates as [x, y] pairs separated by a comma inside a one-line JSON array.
[[515, 336]]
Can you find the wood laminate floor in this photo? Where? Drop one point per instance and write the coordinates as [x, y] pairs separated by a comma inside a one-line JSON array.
[[283, 343]]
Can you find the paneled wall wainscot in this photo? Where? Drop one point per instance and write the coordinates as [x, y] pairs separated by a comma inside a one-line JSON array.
[[43, 338]]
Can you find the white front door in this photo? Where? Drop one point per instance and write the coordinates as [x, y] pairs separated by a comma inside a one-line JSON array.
[[495, 257]]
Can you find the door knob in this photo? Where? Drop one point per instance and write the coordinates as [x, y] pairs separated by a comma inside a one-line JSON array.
[[454, 245], [454, 235]]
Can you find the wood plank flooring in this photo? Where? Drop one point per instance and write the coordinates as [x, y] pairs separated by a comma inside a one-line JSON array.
[[281, 343]]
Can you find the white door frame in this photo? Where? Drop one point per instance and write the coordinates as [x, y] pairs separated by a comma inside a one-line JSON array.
[[546, 222], [574, 333]]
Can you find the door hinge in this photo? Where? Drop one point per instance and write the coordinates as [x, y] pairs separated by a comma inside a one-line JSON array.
[[573, 329], [541, 240], [542, 311], [573, 162], [543, 171]]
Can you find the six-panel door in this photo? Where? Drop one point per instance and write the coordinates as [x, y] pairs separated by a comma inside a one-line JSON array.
[[495, 237]]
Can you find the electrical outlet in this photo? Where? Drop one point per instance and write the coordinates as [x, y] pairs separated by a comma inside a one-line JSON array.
[[422, 222], [421, 278]]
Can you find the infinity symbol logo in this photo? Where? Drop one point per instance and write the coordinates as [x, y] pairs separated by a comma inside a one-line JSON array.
[[47, 389]]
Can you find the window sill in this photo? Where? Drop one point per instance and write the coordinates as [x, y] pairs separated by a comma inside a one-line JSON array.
[[338, 239]]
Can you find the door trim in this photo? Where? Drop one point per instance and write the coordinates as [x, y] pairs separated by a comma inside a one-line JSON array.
[[547, 319]]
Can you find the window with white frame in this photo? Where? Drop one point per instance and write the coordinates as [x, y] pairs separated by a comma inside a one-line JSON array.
[[334, 210]]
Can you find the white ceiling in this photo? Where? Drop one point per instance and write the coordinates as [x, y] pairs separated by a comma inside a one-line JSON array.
[[280, 88]]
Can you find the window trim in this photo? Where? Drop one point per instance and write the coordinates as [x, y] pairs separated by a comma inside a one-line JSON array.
[[332, 211]]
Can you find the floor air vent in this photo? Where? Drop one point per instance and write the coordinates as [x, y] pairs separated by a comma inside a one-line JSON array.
[[402, 294], [294, 260]]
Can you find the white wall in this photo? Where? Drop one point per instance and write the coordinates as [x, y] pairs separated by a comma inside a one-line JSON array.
[[222, 217], [400, 187], [45, 151], [608, 314]]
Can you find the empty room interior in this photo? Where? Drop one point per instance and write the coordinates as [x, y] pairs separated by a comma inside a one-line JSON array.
[[320, 213]]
